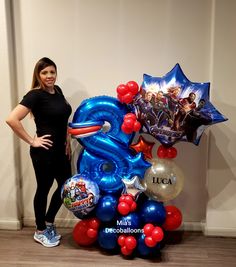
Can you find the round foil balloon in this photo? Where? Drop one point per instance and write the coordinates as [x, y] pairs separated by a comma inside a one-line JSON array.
[[80, 195], [163, 181]]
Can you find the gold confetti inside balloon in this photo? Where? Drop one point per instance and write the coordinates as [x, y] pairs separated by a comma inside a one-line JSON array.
[[163, 181]]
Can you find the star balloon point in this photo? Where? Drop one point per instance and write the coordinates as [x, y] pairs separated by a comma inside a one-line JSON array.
[[143, 146]]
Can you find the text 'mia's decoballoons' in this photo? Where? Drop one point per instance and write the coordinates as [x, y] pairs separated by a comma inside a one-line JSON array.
[[172, 108]]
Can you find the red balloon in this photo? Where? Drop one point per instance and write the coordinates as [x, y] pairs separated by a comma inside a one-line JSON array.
[[84, 130], [94, 223], [123, 208], [127, 98], [125, 251], [129, 123], [125, 129], [143, 146], [122, 89], [148, 228], [133, 206], [120, 97], [173, 218], [129, 200], [80, 234], [121, 240], [122, 198], [130, 116], [137, 126], [133, 87], [150, 242], [130, 242], [162, 152], [171, 152], [92, 233], [157, 234]]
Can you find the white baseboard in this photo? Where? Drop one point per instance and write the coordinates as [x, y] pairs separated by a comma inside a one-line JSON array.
[[10, 224], [192, 226], [221, 232], [60, 222]]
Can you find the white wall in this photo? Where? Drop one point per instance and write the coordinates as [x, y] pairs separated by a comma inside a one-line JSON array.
[[100, 44], [9, 170], [221, 208]]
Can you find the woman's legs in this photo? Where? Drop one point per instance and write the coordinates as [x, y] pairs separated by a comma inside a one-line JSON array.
[[44, 178], [62, 171]]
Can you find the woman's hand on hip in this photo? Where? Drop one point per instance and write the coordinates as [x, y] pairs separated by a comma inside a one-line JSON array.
[[42, 141]]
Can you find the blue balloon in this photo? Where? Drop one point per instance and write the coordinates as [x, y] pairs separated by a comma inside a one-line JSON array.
[[172, 108], [143, 249], [80, 195], [152, 212], [106, 209], [106, 155], [107, 238], [129, 224]]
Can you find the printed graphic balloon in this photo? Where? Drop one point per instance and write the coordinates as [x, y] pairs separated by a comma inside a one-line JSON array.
[[172, 108], [80, 195]]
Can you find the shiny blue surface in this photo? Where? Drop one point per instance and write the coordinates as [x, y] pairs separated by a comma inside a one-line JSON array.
[[152, 211], [107, 238], [143, 249], [106, 208], [106, 156]]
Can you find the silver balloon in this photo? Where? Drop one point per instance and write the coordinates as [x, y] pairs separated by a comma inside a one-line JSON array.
[[163, 181]]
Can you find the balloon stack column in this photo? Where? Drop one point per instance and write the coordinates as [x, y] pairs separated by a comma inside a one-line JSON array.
[[120, 190]]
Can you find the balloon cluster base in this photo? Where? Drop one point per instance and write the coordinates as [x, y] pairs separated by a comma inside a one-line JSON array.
[[141, 232]]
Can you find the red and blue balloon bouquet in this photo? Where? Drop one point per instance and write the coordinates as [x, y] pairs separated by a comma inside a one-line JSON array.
[[171, 109], [127, 187]]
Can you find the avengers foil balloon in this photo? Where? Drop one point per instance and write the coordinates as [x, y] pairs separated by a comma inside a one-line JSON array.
[[172, 108]]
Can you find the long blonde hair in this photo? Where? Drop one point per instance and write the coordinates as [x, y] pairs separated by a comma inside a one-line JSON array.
[[40, 65]]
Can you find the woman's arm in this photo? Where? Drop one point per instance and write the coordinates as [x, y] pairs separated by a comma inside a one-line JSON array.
[[68, 146], [14, 121]]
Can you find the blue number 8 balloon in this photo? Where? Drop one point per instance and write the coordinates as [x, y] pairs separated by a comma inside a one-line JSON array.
[[106, 156]]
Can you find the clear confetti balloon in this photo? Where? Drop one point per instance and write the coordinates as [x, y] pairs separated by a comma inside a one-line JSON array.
[[163, 181]]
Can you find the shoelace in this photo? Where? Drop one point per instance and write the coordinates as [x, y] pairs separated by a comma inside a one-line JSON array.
[[48, 234], [52, 230]]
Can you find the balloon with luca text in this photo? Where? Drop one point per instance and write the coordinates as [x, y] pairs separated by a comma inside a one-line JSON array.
[[172, 108], [163, 181]]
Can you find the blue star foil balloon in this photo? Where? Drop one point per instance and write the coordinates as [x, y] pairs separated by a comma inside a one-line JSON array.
[[172, 108]]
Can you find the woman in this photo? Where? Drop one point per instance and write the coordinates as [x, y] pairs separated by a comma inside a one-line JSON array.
[[49, 149]]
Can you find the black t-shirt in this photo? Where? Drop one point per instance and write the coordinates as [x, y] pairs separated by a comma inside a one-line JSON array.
[[51, 113]]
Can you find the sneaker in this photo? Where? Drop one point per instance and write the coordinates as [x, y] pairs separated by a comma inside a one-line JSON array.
[[53, 231], [46, 239]]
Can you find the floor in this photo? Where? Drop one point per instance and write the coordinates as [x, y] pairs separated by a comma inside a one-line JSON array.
[[17, 248]]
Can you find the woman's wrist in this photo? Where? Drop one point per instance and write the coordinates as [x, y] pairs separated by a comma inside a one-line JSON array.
[[31, 142]]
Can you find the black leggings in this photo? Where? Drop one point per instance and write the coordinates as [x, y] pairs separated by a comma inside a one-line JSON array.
[[48, 166]]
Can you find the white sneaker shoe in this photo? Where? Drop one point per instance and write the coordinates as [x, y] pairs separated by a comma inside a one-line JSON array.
[[53, 231], [46, 239]]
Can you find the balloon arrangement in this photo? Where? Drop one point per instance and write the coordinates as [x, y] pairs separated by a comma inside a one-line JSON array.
[[120, 189]]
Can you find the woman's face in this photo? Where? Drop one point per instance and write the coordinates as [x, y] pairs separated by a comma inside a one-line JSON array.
[[48, 76]]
